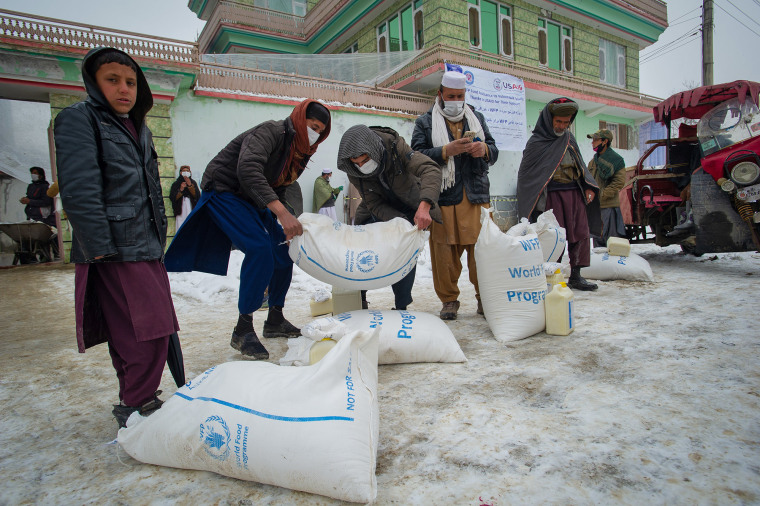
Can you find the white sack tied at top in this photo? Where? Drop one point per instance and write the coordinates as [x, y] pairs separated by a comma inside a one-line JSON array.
[[551, 236], [511, 279], [606, 267], [405, 336], [361, 257], [313, 429]]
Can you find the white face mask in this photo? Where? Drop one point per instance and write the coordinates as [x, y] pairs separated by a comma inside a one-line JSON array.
[[35, 177], [185, 174], [453, 107], [368, 168], [313, 136]]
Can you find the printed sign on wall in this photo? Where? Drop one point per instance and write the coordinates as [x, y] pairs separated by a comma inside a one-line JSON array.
[[501, 100]]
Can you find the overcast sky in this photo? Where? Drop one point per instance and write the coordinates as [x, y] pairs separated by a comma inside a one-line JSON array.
[[668, 66]]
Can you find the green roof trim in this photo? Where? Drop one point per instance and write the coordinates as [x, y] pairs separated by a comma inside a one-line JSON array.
[[615, 16], [229, 36]]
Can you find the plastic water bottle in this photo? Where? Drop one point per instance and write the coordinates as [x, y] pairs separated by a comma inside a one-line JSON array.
[[319, 349], [560, 320]]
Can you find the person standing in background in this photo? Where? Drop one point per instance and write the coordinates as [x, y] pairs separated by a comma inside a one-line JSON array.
[[39, 206], [325, 195], [184, 194], [608, 168]]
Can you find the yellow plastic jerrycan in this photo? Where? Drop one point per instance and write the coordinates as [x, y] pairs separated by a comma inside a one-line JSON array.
[[560, 320], [554, 278], [319, 349]]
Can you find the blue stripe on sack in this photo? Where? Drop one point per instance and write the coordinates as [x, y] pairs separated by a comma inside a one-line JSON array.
[[266, 415], [358, 279], [556, 241]]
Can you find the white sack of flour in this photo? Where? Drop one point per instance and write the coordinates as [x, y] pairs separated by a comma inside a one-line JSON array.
[[313, 429], [511, 280], [405, 336], [551, 236], [606, 267], [361, 257]]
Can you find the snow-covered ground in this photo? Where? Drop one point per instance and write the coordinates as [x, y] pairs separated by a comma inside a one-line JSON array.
[[654, 399]]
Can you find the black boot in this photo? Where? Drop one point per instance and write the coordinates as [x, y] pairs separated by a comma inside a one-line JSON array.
[[245, 340], [122, 412], [578, 282], [277, 326]]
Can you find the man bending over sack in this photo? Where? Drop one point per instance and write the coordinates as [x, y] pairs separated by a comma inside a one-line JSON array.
[[394, 182], [553, 176], [244, 195]]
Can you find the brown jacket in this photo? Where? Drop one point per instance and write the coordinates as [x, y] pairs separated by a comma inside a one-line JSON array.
[[409, 177]]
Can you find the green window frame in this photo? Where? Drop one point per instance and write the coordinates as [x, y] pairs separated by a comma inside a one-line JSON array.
[[555, 45], [403, 30], [490, 27]]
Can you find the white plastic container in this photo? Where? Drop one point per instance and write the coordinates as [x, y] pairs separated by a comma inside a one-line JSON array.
[[619, 247], [344, 301], [560, 320], [320, 348], [554, 278]]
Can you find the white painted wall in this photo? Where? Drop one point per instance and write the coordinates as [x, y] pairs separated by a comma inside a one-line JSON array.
[[23, 135]]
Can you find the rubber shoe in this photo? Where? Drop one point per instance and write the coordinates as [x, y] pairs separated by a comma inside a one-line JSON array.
[[122, 412], [282, 329], [249, 346], [449, 310], [578, 282]]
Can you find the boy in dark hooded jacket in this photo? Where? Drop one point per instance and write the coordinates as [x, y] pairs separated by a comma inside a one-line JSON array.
[[110, 187]]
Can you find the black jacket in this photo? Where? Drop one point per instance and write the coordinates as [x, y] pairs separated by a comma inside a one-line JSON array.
[[36, 192], [252, 162], [174, 192], [109, 181], [471, 173]]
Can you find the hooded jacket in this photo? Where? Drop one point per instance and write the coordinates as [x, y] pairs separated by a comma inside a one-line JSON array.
[[109, 180], [541, 157], [174, 193], [471, 174], [36, 192], [402, 179]]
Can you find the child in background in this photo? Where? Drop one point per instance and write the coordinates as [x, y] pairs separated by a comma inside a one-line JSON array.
[[109, 183]]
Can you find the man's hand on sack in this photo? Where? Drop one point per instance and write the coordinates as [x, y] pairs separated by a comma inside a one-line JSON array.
[[290, 224], [422, 217]]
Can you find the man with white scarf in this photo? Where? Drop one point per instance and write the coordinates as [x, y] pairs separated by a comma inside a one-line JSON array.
[[456, 137]]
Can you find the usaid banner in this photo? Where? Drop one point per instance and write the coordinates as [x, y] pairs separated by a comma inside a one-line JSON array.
[[501, 99]]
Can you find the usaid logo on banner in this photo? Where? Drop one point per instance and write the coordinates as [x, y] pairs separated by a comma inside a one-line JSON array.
[[497, 84], [215, 436], [469, 78]]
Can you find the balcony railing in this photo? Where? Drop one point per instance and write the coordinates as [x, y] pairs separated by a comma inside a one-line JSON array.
[[244, 81], [54, 34], [486, 61]]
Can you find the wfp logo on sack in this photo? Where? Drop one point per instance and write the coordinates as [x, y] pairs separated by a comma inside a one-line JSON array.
[[365, 261], [215, 436]]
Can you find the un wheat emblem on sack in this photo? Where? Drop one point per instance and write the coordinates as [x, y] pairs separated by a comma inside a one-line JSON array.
[[215, 436]]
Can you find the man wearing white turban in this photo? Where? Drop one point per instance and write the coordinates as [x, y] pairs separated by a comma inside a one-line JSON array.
[[456, 137]]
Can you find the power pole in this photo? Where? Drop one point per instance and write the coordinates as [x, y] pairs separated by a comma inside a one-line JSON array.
[[707, 42]]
